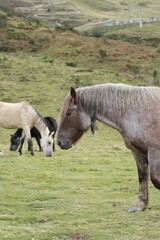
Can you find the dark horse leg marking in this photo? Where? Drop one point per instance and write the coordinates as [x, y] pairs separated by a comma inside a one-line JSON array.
[[142, 167], [21, 145], [53, 147], [39, 144], [30, 144]]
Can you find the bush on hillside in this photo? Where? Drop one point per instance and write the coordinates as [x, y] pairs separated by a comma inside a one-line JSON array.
[[102, 53], [3, 21], [96, 32]]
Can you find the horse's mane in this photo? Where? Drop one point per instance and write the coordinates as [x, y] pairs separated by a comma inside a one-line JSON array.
[[39, 118], [120, 96]]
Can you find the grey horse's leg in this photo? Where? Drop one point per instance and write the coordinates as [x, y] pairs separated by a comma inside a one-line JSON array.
[[28, 135], [142, 167], [154, 163], [21, 145], [30, 144]]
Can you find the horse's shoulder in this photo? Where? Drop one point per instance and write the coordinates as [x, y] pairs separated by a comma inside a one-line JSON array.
[[25, 104]]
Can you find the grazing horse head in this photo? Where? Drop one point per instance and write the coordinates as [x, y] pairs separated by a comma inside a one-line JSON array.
[[74, 122], [15, 142], [47, 144]]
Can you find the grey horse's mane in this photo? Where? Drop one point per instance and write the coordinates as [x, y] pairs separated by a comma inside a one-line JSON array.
[[120, 97], [39, 118]]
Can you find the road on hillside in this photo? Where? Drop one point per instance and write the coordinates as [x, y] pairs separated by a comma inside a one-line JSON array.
[[54, 15]]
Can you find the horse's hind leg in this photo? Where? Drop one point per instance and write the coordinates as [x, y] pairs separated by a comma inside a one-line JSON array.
[[142, 167]]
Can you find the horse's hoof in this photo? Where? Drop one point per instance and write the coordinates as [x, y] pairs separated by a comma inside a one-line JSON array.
[[135, 209]]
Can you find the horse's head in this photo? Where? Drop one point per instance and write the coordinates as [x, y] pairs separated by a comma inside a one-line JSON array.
[[74, 122], [15, 142], [47, 144]]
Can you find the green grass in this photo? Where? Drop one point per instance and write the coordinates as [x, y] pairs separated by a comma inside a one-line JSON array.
[[85, 192]]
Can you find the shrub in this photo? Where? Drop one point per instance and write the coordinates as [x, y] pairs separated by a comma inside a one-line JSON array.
[[155, 76], [17, 35], [134, 69], [44, 40], [32, 42], [71, 64], [96, 32], [3, 21], [102, 53], [66, 27]]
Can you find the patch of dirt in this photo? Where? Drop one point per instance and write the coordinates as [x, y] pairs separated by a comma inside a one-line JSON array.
[[79, 237]]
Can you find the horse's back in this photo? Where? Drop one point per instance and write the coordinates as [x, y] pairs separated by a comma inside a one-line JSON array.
[[7, 105], [16, 115]]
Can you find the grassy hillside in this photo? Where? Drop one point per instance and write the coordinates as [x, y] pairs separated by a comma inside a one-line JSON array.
[[83, 193], [116, 10], [84, 11]]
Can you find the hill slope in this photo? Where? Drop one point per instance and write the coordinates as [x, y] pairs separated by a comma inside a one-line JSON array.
[[36, 57], [83, 193]]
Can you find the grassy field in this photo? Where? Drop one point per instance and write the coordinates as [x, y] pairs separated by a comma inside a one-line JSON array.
[[83, 193]]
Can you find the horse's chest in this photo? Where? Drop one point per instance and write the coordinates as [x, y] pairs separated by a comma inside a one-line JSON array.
[[136, 146]]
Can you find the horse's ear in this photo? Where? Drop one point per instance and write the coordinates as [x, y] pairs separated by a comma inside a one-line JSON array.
[[73, 94], [52, 133]]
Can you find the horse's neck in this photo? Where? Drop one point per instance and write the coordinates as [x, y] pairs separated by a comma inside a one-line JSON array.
[[19, 132], [105, 112], [110, 121], [42, 128]]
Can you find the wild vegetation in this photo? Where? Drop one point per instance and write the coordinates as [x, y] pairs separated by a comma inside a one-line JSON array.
[[83, 193]]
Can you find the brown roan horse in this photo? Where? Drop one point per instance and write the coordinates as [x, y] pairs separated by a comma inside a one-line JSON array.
[[133, 111]]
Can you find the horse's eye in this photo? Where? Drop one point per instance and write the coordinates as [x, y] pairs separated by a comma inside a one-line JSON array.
[[68, 113], [49, 143]]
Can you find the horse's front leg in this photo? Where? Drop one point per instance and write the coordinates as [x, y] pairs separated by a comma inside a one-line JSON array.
[[21, 145], [39, 144], [142, 167], [30, 143]]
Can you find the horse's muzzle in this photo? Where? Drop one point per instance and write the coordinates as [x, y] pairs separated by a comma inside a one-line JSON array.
[[48, 154], [65, 145], [13, 148]]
